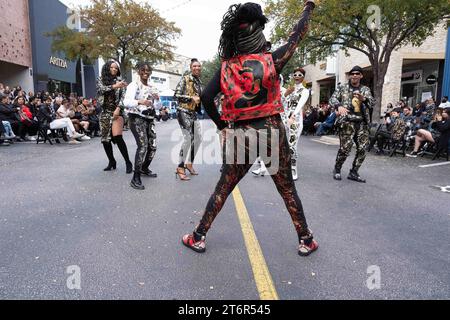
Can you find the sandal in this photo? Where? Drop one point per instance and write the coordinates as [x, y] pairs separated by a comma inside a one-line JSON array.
[[181, 173], [305, 249], [191, 170], [189, 241]]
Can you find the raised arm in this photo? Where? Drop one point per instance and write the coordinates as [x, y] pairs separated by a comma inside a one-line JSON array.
[[282, 55]]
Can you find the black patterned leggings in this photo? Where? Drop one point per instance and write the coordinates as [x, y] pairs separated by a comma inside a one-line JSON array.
[[145, 135], [270, 134]]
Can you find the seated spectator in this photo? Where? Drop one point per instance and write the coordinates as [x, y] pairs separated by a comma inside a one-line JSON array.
[[29, 125], [67, 110], [326, 126], [89, 120], [393, 129], [57, 103], [310, 119], [439, 131], [48, 117], [10, 114], [407, 115], [33, 105], [444, 103], [16, 91], [7, 130], [324, 112], [3, 140]]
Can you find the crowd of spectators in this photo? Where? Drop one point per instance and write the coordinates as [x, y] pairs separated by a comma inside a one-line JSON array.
[[319, 120], [423, 128], [23, 115]]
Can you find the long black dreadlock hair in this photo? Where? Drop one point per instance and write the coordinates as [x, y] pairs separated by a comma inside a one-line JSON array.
[[242, 31], [107, 77]]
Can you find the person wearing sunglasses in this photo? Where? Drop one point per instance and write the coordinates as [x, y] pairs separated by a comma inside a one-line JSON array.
[[352, 102], [295, 99]]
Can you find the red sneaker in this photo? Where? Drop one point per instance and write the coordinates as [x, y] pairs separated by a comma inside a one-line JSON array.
[[189, 241], [305, 250]]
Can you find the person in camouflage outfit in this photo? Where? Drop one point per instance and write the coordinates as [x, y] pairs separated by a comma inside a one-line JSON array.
[[352, 102], [188, 93], [393, 129], [110, 95]]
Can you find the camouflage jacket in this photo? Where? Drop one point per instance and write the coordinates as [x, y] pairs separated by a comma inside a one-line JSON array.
[[343, 97], [398, 129], [108, 98], [188, 87]]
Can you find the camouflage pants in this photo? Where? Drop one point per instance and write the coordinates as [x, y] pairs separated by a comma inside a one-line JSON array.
[[350, 132], [191, 130], [145, 135], [106, 121]]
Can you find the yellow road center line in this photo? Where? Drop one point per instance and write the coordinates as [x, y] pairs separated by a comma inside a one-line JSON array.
[[263, 279]]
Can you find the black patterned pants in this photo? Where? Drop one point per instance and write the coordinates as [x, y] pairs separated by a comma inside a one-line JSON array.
[[145, 135], [268, 129]]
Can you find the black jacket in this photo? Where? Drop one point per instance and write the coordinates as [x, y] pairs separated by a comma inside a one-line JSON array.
[[444, 128], [8, 113], [45, 114]]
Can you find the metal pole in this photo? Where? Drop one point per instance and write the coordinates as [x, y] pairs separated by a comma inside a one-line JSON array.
[[337, 71], [83, 86]]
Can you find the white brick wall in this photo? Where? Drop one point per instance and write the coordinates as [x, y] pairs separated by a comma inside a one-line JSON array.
[[433, 48]]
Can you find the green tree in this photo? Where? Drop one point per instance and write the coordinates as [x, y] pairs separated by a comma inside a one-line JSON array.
[[350, 24], [124, 30], [209, 68]]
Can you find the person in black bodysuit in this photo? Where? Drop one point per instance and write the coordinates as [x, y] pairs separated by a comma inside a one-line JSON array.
[[242, 41]]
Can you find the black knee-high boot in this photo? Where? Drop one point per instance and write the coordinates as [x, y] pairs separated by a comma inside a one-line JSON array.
[[109, 153], [124, 151]]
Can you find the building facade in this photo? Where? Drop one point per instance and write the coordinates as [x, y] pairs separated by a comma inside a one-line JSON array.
[[166, 76], [414, 73], [15, 45], [52, 70]]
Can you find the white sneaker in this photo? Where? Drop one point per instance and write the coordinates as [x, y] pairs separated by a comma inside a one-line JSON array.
[[294, 173], [77, 135], [85, 138], [74, 142], [260, 172]]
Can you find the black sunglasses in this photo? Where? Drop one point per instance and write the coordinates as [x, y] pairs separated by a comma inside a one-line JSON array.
[[355, 73]]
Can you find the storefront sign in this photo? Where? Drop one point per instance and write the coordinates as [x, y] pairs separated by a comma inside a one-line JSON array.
[[412, 77], [58, 62], [431, 79]]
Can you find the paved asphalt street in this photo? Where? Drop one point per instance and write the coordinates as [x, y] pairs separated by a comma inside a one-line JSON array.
[[58, 208]]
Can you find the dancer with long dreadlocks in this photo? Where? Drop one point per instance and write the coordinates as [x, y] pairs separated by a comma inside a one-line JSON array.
[[111, 92], [252, 104]]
